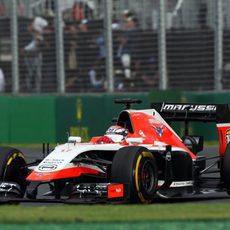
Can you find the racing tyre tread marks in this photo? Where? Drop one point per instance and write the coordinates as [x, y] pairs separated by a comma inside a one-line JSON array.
[[11, 163], [136, 166]]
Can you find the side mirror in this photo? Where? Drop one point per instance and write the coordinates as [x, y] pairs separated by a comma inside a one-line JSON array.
[[73, 139]]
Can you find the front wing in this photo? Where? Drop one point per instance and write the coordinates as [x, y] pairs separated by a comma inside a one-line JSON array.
[[83, 193]]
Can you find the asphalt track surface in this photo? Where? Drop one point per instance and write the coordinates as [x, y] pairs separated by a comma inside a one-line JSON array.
[[33, 154]]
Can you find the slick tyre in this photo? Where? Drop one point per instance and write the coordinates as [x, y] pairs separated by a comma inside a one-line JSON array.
[[226, 168], [12, 162], [136, 166]]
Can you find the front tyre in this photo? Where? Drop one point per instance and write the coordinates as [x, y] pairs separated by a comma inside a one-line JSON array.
[[136, 166], [12, 167]]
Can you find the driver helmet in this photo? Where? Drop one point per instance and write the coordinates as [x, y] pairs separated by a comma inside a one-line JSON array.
[[117, 133]]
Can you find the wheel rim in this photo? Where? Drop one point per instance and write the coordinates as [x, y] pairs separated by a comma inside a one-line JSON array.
[[148, 177]]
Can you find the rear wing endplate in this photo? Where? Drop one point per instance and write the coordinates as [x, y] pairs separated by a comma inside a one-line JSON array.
[[218, 113]]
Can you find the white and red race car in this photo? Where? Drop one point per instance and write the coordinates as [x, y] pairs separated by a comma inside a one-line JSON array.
[[136, 160]]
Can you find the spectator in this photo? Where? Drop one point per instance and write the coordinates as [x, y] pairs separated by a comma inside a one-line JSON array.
[[48, 48], [81, 10], [2, 81], [33, 54], [126, 15], [127, 52], [2, 8], [81, 47], [83, 26], [78, 11], [21, 8], [71, 55], [97, 72], [71, 47], [149, 73], [49, 8], [96, 80]]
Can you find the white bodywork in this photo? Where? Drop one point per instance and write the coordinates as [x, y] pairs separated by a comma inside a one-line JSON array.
[[62, 155]]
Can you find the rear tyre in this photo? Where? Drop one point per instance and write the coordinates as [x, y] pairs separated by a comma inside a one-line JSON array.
[[12, 167], [136, 166], [226, 168]]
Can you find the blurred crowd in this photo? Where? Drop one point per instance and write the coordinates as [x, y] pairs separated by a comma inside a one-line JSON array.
[[86, 54], [190, 27], [135, 67]]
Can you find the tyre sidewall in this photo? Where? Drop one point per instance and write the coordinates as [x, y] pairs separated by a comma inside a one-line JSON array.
[[126, 169], [11, 162], [144, 158]]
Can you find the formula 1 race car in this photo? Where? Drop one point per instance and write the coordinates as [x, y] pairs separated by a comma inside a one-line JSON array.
[[138, 159]]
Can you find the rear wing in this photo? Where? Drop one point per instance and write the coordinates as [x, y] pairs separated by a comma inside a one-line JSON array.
[[218, 113]]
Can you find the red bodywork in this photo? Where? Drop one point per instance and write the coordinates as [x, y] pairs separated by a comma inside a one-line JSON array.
[[147, 124], [61, 174]]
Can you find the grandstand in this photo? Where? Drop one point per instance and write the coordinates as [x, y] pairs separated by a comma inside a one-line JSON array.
[[196, 45]]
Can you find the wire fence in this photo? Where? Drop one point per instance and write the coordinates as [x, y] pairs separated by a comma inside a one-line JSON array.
[[78, 46]]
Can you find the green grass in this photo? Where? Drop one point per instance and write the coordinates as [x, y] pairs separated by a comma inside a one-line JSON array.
[[113, 213]]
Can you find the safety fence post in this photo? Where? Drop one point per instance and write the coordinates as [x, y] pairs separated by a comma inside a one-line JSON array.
[[14, 47], [109, 44], [59, 47], [163, 81], [218, 46]]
